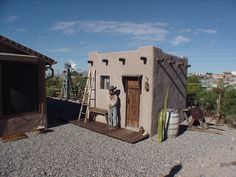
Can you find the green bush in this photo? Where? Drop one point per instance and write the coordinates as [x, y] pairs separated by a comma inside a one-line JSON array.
[[52, 92], [54, 85], [228, 107], [207, 99], [194, 90]]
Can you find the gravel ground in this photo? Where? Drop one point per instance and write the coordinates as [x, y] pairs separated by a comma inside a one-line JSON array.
[[73, 151]]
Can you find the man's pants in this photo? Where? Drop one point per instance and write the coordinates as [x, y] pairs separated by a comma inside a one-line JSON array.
[[112, 117]]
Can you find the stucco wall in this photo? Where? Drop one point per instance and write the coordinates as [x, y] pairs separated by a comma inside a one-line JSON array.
[[160, 76], [115, 69], [168, 75]]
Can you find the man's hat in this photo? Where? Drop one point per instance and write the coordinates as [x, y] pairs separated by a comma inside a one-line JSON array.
[[112, 88]]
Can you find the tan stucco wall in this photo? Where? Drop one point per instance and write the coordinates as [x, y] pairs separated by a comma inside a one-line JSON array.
[[168, 75], [159, 75], [115, 69]]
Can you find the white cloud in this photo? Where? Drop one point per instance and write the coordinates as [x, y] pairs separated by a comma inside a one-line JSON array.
[[21, 29], [66, 26], [209, 31], [198, 31], [11, 18], [179, 40], [187, 30], [60, 50], [151, 30]]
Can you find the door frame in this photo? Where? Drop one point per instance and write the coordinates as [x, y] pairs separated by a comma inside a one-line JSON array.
[[125, 84]]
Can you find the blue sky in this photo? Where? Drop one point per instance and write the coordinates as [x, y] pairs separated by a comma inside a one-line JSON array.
[[203, 30]]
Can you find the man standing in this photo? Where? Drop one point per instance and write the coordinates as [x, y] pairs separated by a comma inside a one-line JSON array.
[[112, 108]]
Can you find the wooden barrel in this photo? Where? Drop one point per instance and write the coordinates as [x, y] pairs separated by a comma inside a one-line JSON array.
[[172, 123]]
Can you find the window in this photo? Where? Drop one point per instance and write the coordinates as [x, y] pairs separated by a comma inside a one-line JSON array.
[[105, 82], [20, 88]]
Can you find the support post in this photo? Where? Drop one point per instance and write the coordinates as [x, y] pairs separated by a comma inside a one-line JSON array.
[[1, 104], [218, 108]]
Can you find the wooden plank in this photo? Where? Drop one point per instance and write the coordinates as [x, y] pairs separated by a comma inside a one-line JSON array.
[[129, 135], [98, 110], [133, 141], [134, 136], [99, 129], [18, 57], [133, 103], [13, 137], [118, 132], [93, 125], [125, 136], [1, 104], [121, 133], [41, 86]]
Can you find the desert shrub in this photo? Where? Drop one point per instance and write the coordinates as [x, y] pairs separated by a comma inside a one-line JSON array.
[[228, 107], [207, 99], [52, 92], [193, 88], [53, 86]]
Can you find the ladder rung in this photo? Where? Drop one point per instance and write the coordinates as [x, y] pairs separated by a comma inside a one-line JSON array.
[[88, 91]]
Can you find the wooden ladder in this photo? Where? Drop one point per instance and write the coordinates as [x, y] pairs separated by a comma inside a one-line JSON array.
[[89, 96]]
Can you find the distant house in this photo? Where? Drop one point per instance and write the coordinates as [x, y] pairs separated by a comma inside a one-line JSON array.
[[213, 80], [142, 76], [22, 87]]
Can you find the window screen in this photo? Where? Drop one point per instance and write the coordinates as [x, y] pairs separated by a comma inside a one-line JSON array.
[[20, 88], [105, 82]]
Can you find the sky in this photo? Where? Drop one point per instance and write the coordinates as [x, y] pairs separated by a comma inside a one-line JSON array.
[[202, 30]]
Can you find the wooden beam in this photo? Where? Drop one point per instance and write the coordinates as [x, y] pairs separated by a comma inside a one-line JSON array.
[[180, 63], [160, 59], [1, 108], [42, 87], [25, 50], [90, 62], [171, 61], [122, 60], [18, 57], [144, 59], [105, 61], [17, 136], [188, 66]]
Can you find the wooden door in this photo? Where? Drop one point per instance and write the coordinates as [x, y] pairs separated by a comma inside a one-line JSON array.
[[132, 102]]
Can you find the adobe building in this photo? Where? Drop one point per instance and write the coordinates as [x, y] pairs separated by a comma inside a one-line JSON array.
[[142, 77], [22, 87]]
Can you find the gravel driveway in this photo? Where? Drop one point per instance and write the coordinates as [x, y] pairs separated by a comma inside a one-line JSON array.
[[73, 151]]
